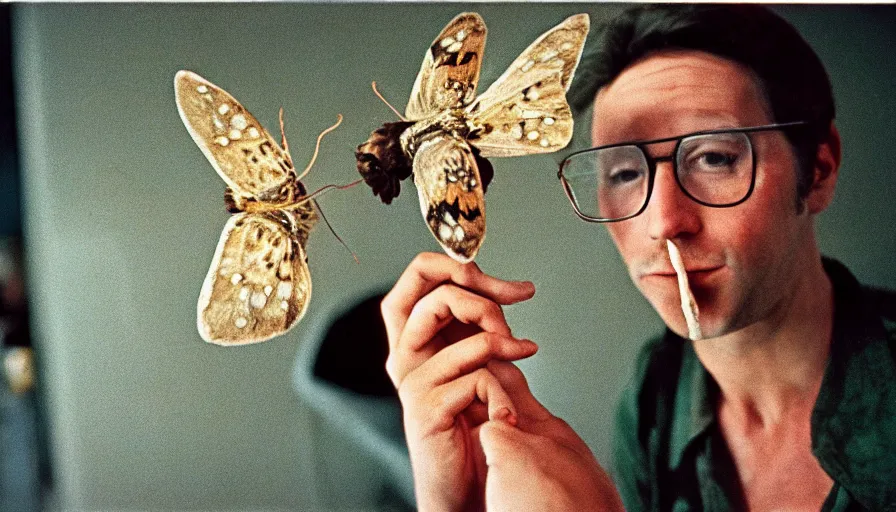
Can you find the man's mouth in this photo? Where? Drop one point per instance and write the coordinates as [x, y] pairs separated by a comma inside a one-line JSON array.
[[693, 273]]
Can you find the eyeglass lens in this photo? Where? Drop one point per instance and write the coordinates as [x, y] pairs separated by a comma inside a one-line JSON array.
[[613, 183]]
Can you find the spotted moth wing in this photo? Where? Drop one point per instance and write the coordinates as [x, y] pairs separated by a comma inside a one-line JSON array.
[[560, 46], [450, 70], [243, 153], [525, 110], [258, 285], [451, 197]]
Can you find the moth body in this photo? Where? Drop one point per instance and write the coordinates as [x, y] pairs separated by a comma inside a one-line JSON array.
[[452, 123]]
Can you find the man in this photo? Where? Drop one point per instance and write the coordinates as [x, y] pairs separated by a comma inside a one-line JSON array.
[[713, 129]]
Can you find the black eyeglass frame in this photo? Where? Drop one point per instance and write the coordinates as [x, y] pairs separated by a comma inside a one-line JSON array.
[[652, 161]]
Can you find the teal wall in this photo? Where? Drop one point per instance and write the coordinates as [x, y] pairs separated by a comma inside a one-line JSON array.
[[122, 213]]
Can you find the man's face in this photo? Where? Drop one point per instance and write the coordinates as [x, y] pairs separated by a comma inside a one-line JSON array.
[[743, 262]]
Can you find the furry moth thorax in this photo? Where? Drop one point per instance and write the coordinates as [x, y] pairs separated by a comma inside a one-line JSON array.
[[386, 157]]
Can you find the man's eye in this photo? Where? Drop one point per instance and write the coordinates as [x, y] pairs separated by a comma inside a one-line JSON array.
[[712, 161], [715, 159], [623, 176]]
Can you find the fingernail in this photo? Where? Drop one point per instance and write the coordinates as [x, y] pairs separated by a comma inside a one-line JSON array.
[[529, 344], [505, 414], [529, 285]]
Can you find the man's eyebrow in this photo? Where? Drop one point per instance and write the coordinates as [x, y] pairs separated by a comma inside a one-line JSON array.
[[704, 120]]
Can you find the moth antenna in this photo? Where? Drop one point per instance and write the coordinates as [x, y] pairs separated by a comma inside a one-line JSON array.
[[321, 212], [321, 190], [311, 197], [380, 96], [283, 133], [317, 146]]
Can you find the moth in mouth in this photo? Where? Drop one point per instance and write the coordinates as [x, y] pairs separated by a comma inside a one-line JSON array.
[[447, 132], [688, 303]]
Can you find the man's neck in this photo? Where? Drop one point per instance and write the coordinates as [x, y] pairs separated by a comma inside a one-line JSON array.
[[773, 369]]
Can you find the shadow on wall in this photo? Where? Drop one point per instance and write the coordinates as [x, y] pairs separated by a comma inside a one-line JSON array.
[[354, 396]]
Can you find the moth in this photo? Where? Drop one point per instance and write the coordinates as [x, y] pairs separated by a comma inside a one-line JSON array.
[[448, 132], [258, 285]]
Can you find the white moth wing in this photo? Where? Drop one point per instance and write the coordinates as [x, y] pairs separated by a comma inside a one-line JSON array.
[[243, 153], [515, 124], [525, 110], [258, 285], [560, 46]]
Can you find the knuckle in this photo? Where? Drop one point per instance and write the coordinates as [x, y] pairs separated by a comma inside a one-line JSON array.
[[509, 372], [488, 310], [386, 306], [492, 308], [425, 260], [392, 369], [407, 391], [420, 260], [489, 343], [467, 274], [438, 400], [415, 309], [445, 292], [426, 305], [483, 377], [479, 348]]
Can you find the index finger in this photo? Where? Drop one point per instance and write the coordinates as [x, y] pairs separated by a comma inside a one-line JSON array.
[[428, 270]]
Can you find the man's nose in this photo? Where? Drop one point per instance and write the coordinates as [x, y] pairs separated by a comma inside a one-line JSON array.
[[670, 213]]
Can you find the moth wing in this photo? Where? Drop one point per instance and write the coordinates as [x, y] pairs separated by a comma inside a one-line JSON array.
[[513, 126], [243, 153], [560, 47], [258, 285], [451, 197], [525, 110], [450, 70]]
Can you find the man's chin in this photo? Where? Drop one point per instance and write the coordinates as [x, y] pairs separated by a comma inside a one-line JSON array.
[[713, 308], [673, 316]]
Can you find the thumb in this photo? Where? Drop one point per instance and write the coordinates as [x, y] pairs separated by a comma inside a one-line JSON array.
[[515, 385], [497, 438]]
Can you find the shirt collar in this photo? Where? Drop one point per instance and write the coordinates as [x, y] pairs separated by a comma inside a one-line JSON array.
[[854, 418], [694, 409]]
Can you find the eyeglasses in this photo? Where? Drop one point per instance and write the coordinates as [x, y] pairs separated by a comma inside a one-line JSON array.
[[714, 168]]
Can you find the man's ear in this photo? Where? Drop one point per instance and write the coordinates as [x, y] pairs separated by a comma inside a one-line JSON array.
[[827, 168]]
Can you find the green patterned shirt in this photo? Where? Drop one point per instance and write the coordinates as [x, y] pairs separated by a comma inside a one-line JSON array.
[[670, 455]]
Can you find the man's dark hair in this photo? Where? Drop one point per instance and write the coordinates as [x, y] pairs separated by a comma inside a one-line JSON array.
[[791, 75]]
